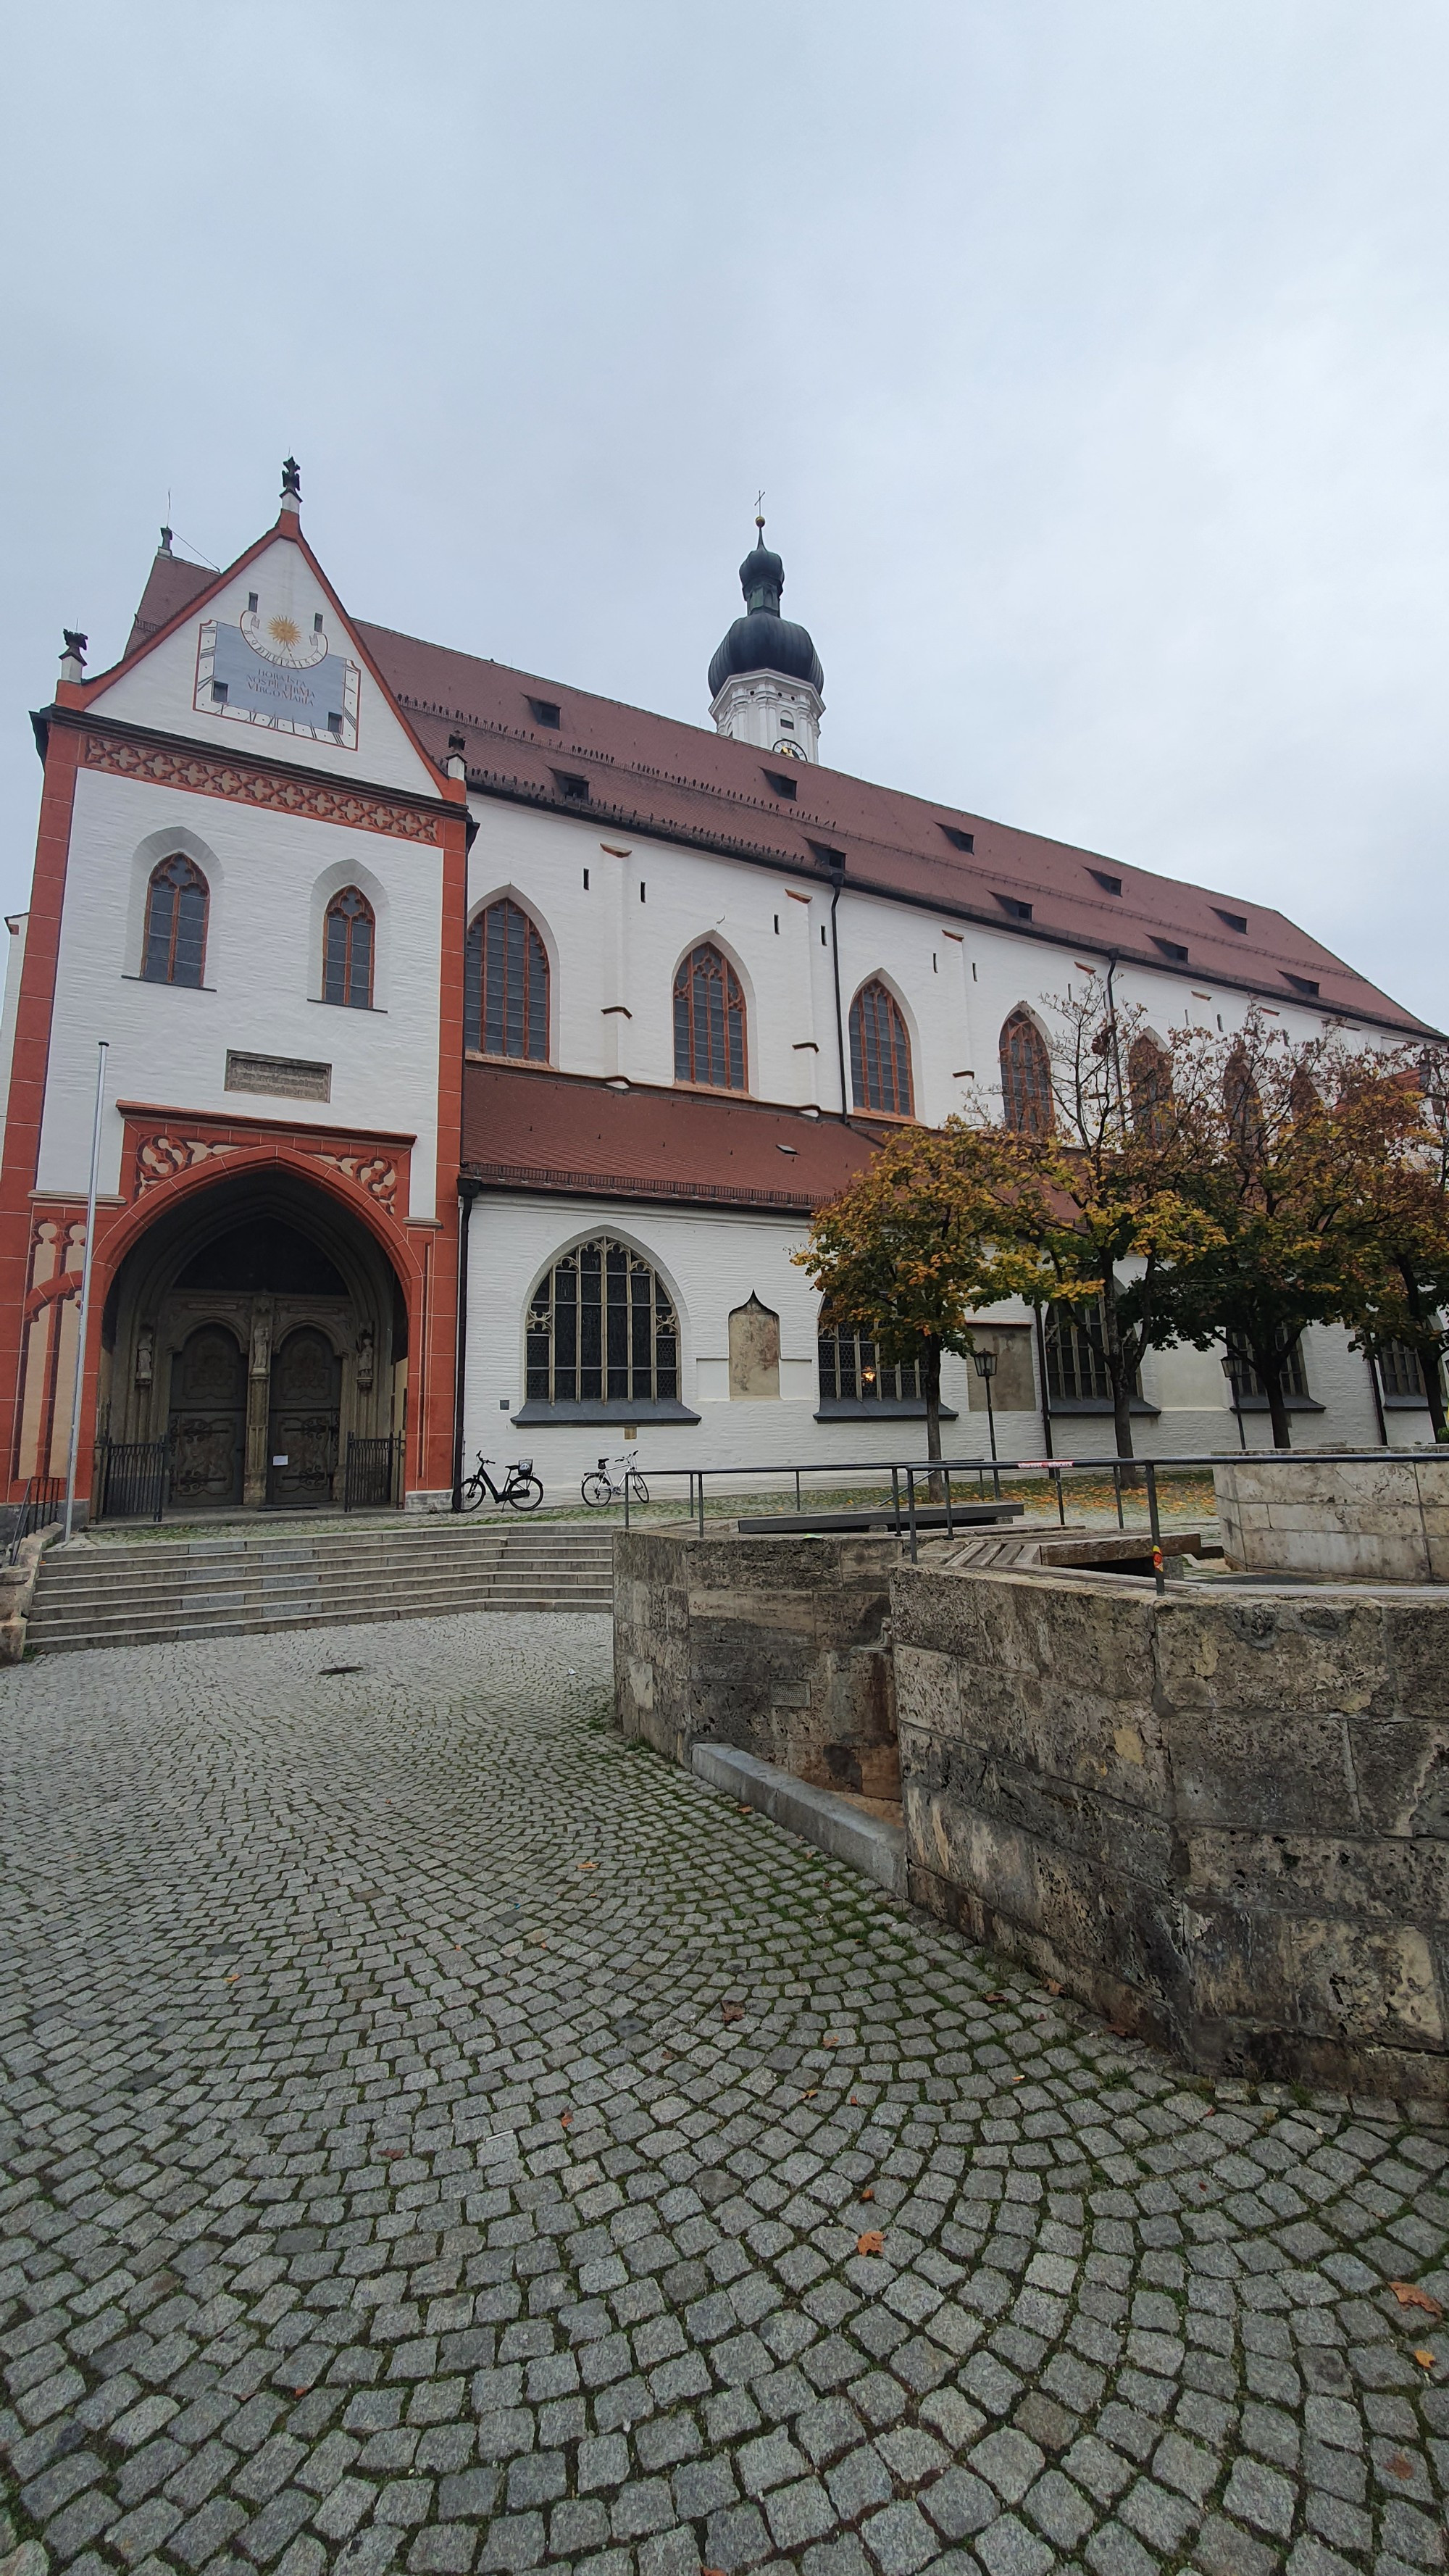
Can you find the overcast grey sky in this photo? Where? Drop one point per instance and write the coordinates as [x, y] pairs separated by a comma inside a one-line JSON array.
[[1092, 353]]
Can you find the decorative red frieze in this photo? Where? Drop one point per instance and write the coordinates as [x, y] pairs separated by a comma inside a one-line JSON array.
[[205, 774], [162, 1153]]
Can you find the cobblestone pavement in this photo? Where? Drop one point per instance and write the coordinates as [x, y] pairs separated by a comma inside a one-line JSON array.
[[442, 2138]]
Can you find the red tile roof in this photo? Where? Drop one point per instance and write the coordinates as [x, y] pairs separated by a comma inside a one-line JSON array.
[[528, 1130], [170, 584], [651, 774], [648, 773]]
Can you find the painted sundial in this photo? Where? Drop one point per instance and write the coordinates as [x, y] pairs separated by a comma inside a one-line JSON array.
[[277, 669]]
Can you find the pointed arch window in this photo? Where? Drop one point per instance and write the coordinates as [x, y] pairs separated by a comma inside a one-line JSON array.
[[505, 985], [1026, 1076], [880, 1052], [348, 942], [602, 1329], [709, 1021], [1149, 1080], [176, 907], [1243, 1105]]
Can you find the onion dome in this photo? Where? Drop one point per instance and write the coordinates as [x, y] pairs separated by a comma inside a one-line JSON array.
[[763, 640]]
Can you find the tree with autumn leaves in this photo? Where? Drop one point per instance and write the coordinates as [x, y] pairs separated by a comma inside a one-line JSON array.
[[1204, 1189]]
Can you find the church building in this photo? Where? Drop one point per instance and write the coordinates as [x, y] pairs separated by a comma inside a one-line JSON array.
[[476, 1050]]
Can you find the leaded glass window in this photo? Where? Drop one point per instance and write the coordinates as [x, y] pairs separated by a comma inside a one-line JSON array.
[[176, 902], [1026, 1076], [851, 1371], [1401, 1371], [709, 1022], [880, 1052], [1076, 1371], [1248, 1386], [347, 950], [505, 985], [602, 1328]]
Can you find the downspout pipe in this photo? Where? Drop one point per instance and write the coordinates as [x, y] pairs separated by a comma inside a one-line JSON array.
[[468, 1191], [839, 879]]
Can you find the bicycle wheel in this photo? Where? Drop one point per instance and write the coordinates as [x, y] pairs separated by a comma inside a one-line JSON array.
[[525, 1493], [596, 1489], [473, 1493], [637, 1486]]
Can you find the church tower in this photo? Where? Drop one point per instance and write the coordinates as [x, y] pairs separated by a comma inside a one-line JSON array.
[[765, 682]]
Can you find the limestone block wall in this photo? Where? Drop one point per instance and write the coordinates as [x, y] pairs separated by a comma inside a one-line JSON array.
[[1383, 1519], [774, 1645], [1221, 1819]]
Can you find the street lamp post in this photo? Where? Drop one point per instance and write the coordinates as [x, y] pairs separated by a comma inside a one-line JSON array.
[[984, 1363]]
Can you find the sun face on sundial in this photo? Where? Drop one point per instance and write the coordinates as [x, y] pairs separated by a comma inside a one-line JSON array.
[[278, 638]]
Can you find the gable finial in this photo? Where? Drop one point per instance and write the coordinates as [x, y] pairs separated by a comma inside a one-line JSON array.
[[291, 485]]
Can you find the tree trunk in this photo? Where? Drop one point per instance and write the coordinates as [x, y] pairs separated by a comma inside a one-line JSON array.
[[1431, 1372], [931, 1382], [1270, 1365], [1121, 1367]]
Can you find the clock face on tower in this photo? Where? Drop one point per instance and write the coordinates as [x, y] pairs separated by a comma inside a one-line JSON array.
[[791, 750], [278, 671]]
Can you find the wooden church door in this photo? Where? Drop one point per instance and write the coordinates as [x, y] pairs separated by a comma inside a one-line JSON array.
[[306, 1398]]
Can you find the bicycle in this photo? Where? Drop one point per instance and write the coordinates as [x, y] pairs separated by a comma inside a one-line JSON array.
[[520, 1487], [599, 1487]]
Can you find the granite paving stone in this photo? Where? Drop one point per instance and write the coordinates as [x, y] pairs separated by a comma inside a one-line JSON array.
[[383, 2188]]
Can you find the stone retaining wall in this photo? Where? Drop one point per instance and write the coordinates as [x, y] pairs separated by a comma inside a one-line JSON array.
[[1220, 1818], [1380, 1520], [774, 1645]]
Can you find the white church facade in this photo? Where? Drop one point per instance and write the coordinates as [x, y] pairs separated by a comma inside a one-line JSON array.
[[476, 1050]]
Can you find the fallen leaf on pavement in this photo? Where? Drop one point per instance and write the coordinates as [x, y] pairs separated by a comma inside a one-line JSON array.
[[872, 2242], [995, 1997], [832, 2043], [1425, 2360], [1054, 1985], [810, 2096], [1409, 2295], [588, 1864], [733, 2012], [565, 2119], [868, 2193], [1401, 2467]]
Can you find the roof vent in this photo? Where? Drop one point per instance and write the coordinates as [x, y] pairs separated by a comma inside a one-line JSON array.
[[1172, 948], [1306, 984], [545, 713], [959, 840], [1108, 884], [782, 785], [1234, 920], [1013, 904], [573, 790], [825, 856]]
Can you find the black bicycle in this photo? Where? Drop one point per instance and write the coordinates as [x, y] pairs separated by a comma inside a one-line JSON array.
[[520, 1487], [600, 1486]]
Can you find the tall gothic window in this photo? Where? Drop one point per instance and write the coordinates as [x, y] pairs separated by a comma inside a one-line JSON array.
[[1026, 1076], [880, 1052], [1076, 1371], [505, 985], [709, 1021], [348, 940], [176, 901], [1149, 1079], [1401, 1371], [601, 1328], [1243, 1105], [1248, 1387]]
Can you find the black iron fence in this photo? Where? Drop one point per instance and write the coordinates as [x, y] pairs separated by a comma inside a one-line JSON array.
[[44, 1502], [132, 1479], [373, 1472]]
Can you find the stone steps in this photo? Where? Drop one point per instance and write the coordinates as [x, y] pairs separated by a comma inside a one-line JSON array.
[[109, 1592]]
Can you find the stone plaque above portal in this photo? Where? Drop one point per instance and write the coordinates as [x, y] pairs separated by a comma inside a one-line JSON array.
[[289, 1077]]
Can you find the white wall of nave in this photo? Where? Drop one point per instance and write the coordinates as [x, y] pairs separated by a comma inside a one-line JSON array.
[[169, 1043]]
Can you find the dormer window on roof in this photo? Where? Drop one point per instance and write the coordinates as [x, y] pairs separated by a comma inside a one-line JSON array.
[[958, 839], [1172, 948], [1108, 884], [782, 785], [1305, 984], [573, 789], [827, 858], [1232, 920], [545, 713], [1013, 904]]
